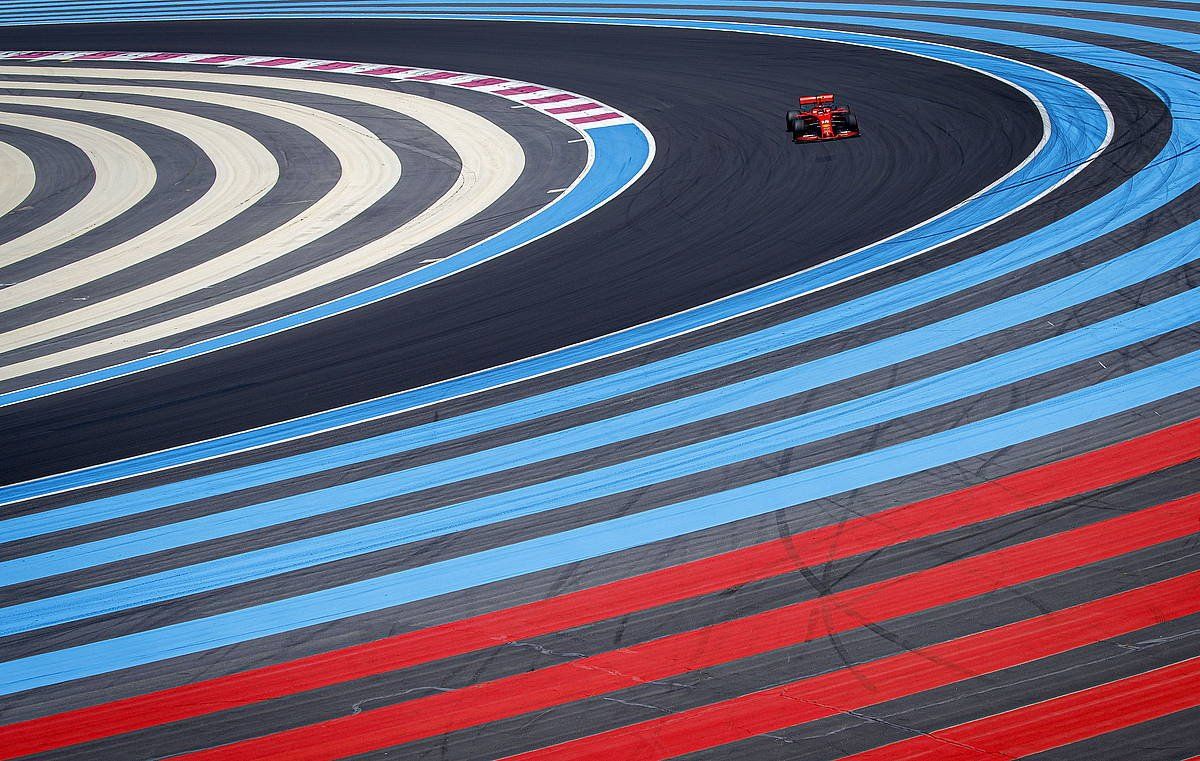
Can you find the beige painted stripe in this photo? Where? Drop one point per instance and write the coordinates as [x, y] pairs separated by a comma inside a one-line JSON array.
[[124, 176], [17, 178], [492, 162]]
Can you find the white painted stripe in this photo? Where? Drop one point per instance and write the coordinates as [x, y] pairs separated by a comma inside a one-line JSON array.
[[574, 100], [491, 89], [115, 55]]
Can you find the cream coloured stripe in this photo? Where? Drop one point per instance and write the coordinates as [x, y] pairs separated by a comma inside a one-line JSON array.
[[17, 177], [492, 162], [245, 172], [124, 176]]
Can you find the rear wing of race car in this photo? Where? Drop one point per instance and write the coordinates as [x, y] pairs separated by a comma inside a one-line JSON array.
[[816, 100]]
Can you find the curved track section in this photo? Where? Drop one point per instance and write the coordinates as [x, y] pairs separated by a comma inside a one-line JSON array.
[[461, 331], [240, 227], [902, 469]]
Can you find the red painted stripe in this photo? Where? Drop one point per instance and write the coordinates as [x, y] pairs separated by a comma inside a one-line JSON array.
[[888, 678], [550, 99], [221, 59], [1057, 722], [161, 57], [388, 70], [436, 76], [277, 62], [521, 90], [572, 109], [38, 54], [724, 642], [98, 56], [595, 118], [486, 81], [332, 66], [1004, 496]]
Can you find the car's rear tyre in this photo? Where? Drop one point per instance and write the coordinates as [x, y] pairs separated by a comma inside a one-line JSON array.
[[792, 116], [850, 122]]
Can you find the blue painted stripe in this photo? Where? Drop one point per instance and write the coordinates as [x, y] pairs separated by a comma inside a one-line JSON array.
[[1078, 127], [1063, 412]]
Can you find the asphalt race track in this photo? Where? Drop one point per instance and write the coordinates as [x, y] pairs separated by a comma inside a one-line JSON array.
[[467, 389], [715, 121]]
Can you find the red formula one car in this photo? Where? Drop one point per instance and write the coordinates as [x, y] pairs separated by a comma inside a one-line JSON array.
[[820, 119]]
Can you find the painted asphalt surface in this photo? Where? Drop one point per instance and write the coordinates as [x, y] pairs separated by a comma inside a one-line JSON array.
[[454, 336], [944, 507]]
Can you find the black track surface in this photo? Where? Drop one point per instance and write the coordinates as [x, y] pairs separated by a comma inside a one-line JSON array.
[[934, 134]]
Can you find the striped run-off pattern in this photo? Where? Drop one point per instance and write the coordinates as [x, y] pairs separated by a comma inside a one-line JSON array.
[[935, 498]]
